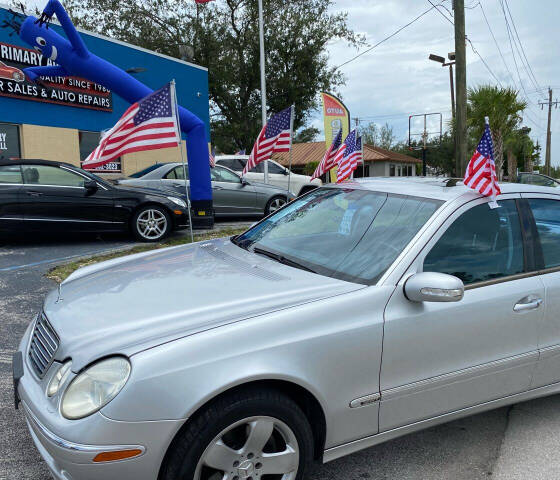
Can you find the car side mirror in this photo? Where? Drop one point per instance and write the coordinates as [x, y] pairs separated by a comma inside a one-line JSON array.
[[434, 287], [286, 172], [244, 181], [90, 185]]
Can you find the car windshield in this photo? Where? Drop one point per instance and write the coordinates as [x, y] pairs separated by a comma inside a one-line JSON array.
[[147, 170], [344, 233]]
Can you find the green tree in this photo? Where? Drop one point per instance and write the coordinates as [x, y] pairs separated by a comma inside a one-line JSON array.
[[504, 109], [224, 37], [383, 137], [306, 135], [439, 156]]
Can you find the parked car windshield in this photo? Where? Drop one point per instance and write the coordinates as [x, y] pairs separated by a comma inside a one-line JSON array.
[[147, 170], [344, 233]]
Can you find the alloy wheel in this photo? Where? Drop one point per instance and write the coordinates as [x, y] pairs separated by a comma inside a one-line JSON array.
[[151, 224], [276, 204], [251, 449]]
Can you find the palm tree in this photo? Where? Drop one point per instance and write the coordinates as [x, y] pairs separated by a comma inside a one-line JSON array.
[[504, 109]]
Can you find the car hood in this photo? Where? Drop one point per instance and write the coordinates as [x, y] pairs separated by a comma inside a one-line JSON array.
[[133, 303]]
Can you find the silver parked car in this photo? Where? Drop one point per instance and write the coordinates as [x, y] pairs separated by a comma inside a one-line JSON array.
[[233, 195], [354, 315]]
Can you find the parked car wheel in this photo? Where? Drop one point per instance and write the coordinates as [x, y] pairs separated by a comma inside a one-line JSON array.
[[151, 223], [275, 203], [18, 77], [244, 435]]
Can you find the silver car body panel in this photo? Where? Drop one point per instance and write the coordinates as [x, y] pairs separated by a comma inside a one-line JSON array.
[[229, 198], [198, 320]]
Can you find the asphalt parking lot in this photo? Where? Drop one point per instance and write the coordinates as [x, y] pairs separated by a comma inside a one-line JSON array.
[[520, 442]]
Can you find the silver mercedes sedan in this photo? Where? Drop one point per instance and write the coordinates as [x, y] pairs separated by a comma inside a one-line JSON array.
[[233, 195], [355, 314]]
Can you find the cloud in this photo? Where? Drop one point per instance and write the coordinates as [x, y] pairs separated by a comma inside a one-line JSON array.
[[396, 79]]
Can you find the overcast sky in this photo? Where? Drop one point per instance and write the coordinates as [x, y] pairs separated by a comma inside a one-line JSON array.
[[397, 79]]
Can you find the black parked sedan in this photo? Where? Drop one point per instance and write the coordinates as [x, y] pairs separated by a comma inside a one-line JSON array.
[[54, 196]]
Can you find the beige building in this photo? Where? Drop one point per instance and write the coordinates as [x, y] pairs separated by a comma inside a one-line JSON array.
[[63, 145], [378, 162]]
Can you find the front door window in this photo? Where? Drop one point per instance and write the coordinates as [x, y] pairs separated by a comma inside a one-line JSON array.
[[482, 244]]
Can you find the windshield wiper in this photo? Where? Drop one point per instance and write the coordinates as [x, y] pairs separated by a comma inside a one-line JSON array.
[[281, 259]]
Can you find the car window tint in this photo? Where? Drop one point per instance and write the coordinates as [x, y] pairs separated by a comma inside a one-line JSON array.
[[273, 168], [10, 174], [177, 173], [232, 163], [223, 175], [47, 175], [258, 168], [482, 244], [547, 218], [147, 170]]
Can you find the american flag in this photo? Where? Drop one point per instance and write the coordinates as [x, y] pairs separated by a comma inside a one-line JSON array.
[[328, 160], [149, 124], [276, 136], [348, 161], [212, 158], [481, 171], [202, 1]]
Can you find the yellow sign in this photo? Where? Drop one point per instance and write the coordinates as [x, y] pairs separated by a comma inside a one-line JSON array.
[[336, 117]]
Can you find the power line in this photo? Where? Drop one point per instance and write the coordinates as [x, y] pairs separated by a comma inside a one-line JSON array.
[[521, 45], [511, 44], [496, 42], [441, 13], [484, 62], [390, 36]]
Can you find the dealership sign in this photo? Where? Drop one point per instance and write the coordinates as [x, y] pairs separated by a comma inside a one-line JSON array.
[[71, 91]]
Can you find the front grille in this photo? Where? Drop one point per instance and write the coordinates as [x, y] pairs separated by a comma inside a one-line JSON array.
[[43, 346]]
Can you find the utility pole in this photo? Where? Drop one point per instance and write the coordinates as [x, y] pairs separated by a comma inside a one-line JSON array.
[[461, 87], [263, 77], [550, 103]]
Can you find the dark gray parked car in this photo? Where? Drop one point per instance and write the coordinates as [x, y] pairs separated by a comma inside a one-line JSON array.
[[232, 194]]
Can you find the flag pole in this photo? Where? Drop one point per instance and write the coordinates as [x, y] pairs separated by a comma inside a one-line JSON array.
[[183, 153], [263, 78], [292, 115]]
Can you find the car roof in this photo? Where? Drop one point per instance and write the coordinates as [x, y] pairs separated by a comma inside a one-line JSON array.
[[226, 157], [438, 188], [37, 161]]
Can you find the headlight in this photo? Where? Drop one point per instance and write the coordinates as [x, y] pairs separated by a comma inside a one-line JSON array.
[[178, 201], [59, 379], [95, 387]]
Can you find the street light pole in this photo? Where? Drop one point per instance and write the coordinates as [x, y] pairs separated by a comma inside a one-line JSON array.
[[451, 56], [451, 82], [263, 77]]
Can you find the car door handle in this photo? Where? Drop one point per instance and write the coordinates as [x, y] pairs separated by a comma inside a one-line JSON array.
[[528, 304], [35, 194]]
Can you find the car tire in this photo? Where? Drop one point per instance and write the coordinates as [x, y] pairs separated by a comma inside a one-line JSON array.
[[17, 77], [151, 223], [272, 417], [275, 203]]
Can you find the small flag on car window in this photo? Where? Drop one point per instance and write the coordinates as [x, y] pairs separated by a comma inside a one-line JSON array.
[[481, 170]]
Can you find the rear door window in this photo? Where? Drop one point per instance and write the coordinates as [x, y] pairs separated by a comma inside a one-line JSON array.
[[547, 217]]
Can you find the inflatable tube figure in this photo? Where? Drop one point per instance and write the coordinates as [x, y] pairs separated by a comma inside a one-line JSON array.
[[74, 59]]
